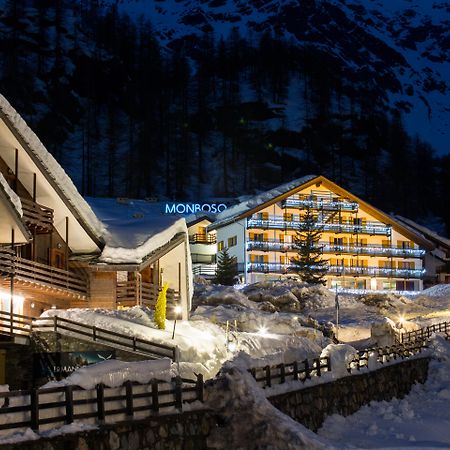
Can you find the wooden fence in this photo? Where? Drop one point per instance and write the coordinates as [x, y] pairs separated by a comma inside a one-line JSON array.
[[426, 332], [50, 407], [16, 324], [297, 370]]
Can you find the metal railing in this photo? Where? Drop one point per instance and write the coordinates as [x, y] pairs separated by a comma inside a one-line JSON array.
[[278, 223], [204, 269], [328, 204], [272, 267], [369, 249], [41, 274], [202, 239]]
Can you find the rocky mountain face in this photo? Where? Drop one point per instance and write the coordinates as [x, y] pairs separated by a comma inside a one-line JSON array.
[[190, 100]]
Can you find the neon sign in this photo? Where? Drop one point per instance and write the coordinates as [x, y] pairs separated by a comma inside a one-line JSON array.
[[192, 208]]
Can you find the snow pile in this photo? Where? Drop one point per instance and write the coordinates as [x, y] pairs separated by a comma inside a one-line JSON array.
[[340, 356], [213, 294], [114, 373], [51, 167], [383, 333], [438, 291], [250, 419], [420, 420], [15, 199]]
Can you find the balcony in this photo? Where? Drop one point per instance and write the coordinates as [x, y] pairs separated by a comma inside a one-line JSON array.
[[40, 276], [208, 270], [321, 203], [202, 239], [341, 270], [278, 223], [37, 216], [130, 293], [273, 245]]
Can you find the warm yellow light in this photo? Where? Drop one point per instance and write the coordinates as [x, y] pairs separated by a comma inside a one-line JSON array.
[[17, 299], [262, 331], [177, 309], [231, 346]]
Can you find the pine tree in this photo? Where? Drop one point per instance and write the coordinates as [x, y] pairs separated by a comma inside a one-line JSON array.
[[309, 264], [226, 270], [160, 308]]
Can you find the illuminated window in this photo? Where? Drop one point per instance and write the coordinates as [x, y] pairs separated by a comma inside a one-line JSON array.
[[232, 241], [220, 246]]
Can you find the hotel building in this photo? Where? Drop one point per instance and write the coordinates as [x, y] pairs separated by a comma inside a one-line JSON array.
[[363, 247]]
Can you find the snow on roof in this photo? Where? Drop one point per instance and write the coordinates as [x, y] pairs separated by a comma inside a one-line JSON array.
[[49, 165], [252, 202], [15, 200], [134, 228], [424, 231]]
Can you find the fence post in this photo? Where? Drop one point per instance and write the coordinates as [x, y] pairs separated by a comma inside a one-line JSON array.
[[282, 373], [94, 333], [307, 371], [34, 409], [318, 372], [178, 393], [134, 343], [69, 403], [200, 386], [55, 324], [268, 380], [100, 403], [155, 399], [129, 399], [295, 370]]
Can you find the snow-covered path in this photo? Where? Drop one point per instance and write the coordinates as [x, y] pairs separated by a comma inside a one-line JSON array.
[[420, 420]]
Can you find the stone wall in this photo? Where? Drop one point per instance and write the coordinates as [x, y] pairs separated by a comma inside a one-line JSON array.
[[187, 431], [310, 406]]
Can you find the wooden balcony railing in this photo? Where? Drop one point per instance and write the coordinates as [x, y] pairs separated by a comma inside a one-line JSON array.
[[129, 293], [36, 215], [202, 239], [40, 274]]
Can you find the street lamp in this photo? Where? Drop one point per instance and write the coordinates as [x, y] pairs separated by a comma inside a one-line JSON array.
[[177, 311]]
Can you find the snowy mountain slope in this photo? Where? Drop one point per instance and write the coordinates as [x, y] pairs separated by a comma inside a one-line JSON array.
[[402, 47]]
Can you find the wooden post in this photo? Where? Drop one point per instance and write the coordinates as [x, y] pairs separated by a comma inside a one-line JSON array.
[[69, 403], [268, 380], [13, 269], [282, 373], [318, 373], [295, 370], [67, 245], [155, 399], [100, 403], [94, 333], [178, 393], [200, 386], [16, 170], [34, 409], [129, 399], [307, 371]]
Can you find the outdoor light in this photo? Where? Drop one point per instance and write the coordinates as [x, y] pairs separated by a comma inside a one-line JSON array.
[[401, 321], [177, 311], [262, 331], [231, 346], [32, 305]]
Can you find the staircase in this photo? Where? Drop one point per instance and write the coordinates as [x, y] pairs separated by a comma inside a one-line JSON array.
[[18, 328]]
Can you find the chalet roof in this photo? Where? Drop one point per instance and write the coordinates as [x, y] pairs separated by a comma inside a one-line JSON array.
[[51, 170], [265, 199], [134, 229], [426, 232]]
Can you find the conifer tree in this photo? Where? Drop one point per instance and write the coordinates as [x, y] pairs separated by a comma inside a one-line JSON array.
[[226, 269], [308, 264]]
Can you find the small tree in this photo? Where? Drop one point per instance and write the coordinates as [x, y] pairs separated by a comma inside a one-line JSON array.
[[309, 264], [226, 270]]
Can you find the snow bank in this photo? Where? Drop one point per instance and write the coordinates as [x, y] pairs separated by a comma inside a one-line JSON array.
[[340, 357], [250, 419], [114, 373], [15, 199], [438, 291]]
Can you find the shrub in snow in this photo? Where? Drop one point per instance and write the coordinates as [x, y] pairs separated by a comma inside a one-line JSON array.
[[160, 308], [383, 333], [340, 356]]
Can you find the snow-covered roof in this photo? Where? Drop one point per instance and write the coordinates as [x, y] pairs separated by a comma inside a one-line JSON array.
[[260, 199], [424, 231], [134, 228], [11, 195], [54, 173]]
